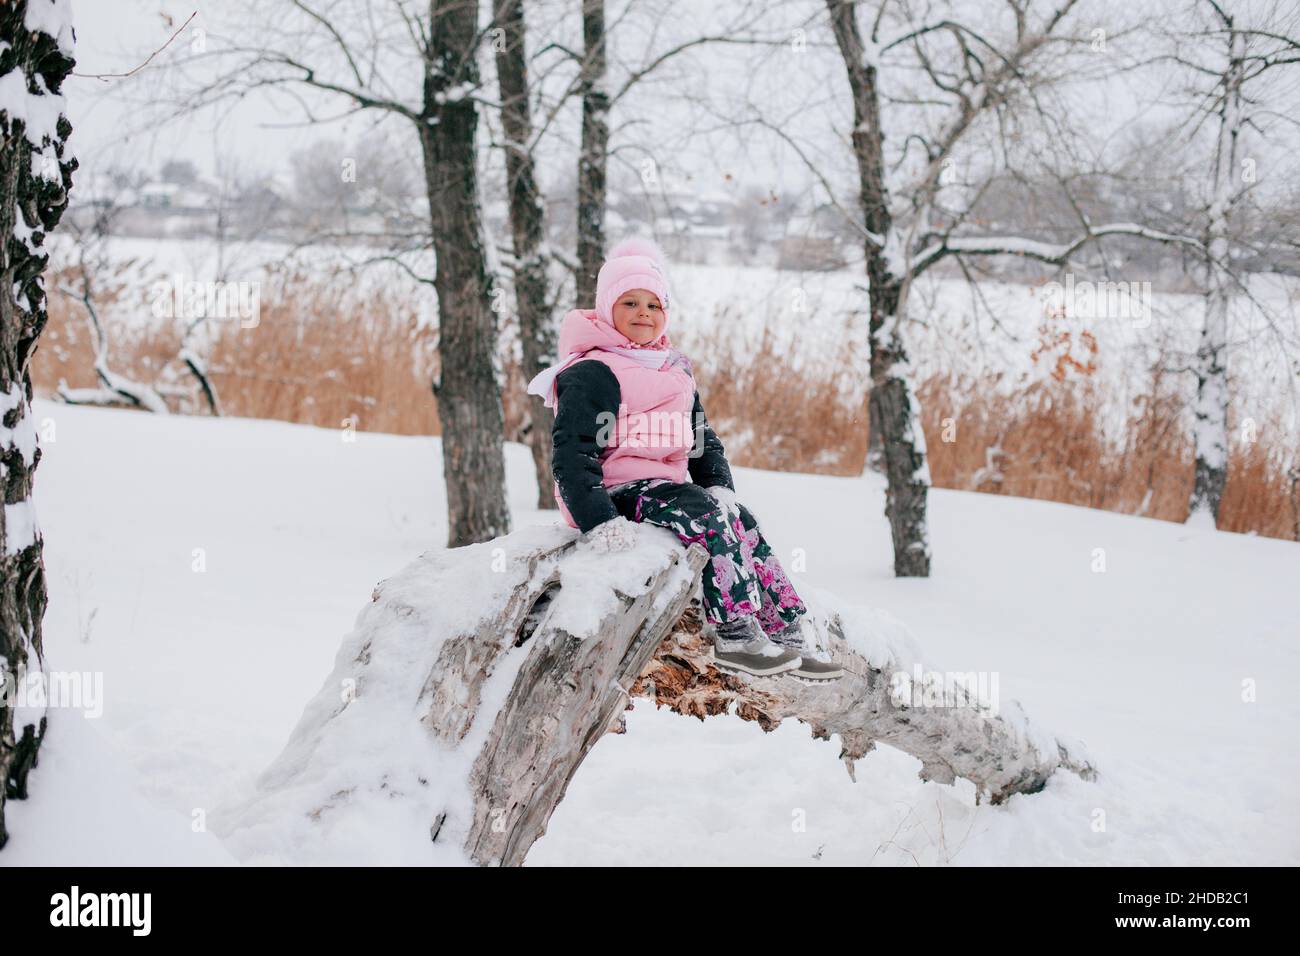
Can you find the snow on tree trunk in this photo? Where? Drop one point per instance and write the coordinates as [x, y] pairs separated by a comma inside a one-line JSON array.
[[532, 295], [477, 680], [906, 472], [36, 46], [1210, 433], [469, 387], [894, 409]]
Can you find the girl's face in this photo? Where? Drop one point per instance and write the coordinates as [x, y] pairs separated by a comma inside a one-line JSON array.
[[639, 316]]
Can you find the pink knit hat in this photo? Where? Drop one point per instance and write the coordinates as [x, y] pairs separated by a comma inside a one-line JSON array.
[[632, 264]]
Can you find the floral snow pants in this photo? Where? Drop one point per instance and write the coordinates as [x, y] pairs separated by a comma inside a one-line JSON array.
[[744, 577]]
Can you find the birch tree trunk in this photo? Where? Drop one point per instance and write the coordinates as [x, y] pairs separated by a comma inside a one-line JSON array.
[[893, 408], [907, 224], [1210, 433], [476, 682], [469, 386], [35, 176], [593, 153], [907, 474], [536, 331]]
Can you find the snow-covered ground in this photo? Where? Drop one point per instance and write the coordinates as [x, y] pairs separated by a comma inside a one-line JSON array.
[[1152, 662]]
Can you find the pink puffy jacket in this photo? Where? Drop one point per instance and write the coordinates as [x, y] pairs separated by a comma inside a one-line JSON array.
[[651, 416]]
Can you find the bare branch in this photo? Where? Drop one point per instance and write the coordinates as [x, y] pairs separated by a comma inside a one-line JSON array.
[[1053, 254]]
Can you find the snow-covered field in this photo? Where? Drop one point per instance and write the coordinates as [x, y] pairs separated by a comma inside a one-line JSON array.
[[205, 672]]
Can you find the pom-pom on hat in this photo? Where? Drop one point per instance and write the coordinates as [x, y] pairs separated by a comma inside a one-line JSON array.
[[632, 264]]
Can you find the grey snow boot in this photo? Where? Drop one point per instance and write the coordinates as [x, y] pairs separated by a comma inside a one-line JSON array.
[[742, 646], [814, 665]]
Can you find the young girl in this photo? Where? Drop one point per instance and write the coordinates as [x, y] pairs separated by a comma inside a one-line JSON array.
[[627, 450]]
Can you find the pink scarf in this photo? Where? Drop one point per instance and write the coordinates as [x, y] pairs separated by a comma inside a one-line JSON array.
[[583, 330]]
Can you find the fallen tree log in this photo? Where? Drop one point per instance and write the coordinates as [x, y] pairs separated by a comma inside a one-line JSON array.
[[477, 680], [966, 736]]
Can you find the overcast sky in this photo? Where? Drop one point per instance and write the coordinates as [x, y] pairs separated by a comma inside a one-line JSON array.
[[115, 36], [804, 95]]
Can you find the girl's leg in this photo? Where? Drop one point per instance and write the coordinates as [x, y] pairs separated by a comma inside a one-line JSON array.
[[731, 586], [781, 605]]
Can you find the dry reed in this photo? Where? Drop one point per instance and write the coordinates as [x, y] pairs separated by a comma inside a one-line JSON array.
[[323, 355]]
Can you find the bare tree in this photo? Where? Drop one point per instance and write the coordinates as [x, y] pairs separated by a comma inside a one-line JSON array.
[[305, 54], [967, 76], [1228, 53], [35, 176], [374, 201]]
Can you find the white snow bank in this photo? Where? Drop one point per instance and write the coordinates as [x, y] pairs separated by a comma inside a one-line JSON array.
[[1173, 664], [85, 808]]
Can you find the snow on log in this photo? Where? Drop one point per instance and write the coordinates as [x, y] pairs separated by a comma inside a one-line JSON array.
[[478, 678]]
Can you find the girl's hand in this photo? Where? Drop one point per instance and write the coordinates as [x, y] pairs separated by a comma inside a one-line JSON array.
[[616, 534], [723, 495], [727, 498]]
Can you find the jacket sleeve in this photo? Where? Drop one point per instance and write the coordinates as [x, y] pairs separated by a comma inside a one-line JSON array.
[[583, 391], [708, 463]]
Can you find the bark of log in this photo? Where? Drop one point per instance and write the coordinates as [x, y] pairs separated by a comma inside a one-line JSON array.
[[564, 699], [510, 700], [965, 740]]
